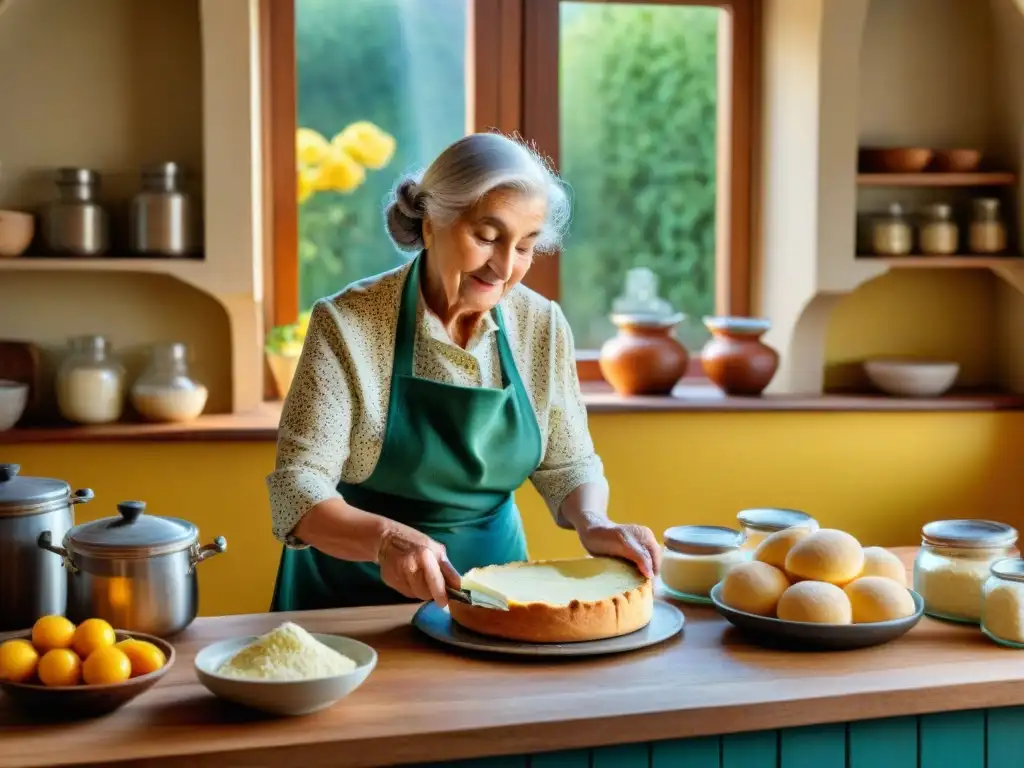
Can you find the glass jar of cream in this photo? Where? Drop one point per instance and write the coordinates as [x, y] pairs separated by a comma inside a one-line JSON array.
[[696, 557], [759, 524]]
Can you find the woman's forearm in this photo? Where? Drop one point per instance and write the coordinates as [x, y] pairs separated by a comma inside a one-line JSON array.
[[587, 505], [338, 529]]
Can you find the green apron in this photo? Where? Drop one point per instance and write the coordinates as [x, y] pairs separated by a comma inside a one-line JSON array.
[[452, 456]]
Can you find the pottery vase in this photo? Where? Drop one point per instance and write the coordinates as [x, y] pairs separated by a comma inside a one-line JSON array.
[[644, 357], [735, 358]]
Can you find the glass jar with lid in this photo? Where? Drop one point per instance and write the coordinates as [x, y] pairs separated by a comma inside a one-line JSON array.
[[758, 524], [696, 557], [90, 382], [891, 234], [166, 392], [1002, 603], [953, 564], [939, 233], [988, 231]]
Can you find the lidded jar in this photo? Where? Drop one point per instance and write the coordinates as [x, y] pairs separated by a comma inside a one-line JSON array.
[[90, 382], [166, 392], [1002, 602], [988, 231], [891, 234], [939, 233], [162, 214], [696, 557], [76, 224], [758, 524], [953, 564]]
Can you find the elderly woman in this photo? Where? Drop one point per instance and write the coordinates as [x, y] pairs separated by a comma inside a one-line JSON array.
[[426, 395]]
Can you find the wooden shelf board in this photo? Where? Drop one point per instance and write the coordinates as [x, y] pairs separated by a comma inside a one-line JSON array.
[[944, 262], [980, 179], [158, 265]]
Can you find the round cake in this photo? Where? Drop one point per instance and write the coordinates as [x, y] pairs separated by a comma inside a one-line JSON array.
[[558, 601]]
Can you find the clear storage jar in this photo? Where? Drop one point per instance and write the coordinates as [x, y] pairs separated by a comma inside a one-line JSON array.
[[891, 234], [758, 524], [90, 382], [696, 557], [953, 564], [166, 391], [1002, 603], [939, 234], [988, 231]]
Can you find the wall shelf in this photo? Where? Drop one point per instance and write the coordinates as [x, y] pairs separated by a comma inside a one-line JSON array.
[[944, 262], [990, 179], [189, 270]]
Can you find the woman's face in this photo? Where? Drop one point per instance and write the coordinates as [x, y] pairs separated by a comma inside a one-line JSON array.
[[484, 253]]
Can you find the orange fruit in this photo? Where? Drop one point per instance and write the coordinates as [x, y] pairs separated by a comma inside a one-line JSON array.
[[92, 634], [60, 667], [51, 632], [18, 661], [106, 665], [143, 655]]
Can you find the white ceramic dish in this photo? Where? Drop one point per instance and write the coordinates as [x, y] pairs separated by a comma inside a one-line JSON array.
[[912, 378], [285, 697], [13, 399]]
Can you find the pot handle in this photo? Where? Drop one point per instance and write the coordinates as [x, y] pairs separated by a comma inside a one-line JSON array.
[[219, 545], [82, 496], [45, 541]]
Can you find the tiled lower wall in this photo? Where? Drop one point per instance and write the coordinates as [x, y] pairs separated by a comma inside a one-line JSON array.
[[991, 738]]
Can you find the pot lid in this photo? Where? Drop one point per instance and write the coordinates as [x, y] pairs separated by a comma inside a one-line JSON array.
[[771, 519], [702, 539], [20, 492], [132, 534], [1010, 569], [647, 319], [969, 534], [740, 326]]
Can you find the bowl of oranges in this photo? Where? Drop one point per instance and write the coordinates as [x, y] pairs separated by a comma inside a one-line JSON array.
[[60, 669]]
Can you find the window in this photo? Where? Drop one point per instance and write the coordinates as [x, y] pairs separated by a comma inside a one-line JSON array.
[[645, 107]]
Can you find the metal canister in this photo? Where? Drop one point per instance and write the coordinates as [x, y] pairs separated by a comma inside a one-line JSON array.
[[163, 215], [32, 581], [76, 224]]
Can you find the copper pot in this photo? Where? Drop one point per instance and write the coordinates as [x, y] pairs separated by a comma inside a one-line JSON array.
[[644, 358], [735, 358]]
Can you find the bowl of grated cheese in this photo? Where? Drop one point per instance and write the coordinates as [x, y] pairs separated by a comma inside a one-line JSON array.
[[287, 671]]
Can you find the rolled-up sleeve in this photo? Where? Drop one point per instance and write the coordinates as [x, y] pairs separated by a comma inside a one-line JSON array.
[[569, 458], [316, 422]]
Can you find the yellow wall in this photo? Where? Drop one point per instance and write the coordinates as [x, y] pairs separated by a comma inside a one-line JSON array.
[[878, 475]]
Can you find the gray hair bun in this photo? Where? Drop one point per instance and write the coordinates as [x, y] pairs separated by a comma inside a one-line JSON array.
[[404, 215]]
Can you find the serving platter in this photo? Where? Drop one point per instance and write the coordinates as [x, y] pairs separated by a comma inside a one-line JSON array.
[[800, 635], [435, 622]]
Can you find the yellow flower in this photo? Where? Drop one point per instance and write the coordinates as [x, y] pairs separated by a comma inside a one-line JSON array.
[[302, 326], [339, 173], [306, 183], [310, 147], [367, 144]]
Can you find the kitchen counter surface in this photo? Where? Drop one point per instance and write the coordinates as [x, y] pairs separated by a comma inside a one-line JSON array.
[[425, 703]]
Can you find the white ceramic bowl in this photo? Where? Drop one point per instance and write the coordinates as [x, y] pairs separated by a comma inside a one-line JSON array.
[[286, 697], [912, 378], [13, 399]]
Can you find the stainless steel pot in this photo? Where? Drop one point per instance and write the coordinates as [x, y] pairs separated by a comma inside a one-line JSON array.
[[32, 583], [137, 571]]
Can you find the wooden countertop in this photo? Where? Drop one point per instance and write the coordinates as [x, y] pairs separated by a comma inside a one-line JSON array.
[[425, 703]]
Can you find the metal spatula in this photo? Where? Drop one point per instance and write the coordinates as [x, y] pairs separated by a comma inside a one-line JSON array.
[[477, 598]]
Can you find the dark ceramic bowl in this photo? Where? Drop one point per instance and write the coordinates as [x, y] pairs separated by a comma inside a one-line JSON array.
[[800, 635], [82, 701]]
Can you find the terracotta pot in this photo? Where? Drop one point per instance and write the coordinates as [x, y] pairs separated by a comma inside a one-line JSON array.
[[644, 358], [735, 358]]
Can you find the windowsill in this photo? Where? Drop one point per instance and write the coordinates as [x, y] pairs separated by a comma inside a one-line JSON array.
[[697, 397]]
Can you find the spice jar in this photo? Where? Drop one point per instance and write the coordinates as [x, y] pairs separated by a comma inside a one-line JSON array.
[[953, 564], [988, 232], [891, 235], [696, 557], [90, 382], [1002, 603], [759, 524], [939, 233], [165, 392]]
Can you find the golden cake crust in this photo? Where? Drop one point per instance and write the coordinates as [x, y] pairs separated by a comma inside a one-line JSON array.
[[577, 621]]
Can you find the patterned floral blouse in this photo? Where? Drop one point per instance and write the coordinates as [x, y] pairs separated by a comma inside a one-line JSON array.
[[332, 425]]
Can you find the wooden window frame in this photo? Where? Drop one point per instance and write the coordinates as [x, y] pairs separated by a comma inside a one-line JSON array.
[[512, 49]]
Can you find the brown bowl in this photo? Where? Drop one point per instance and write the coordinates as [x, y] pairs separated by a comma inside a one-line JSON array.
[[84, 701], [895, 159], [955, 160]]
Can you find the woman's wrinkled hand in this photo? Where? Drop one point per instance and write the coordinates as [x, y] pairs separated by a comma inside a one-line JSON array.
[[635, 543], [415, 565]]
